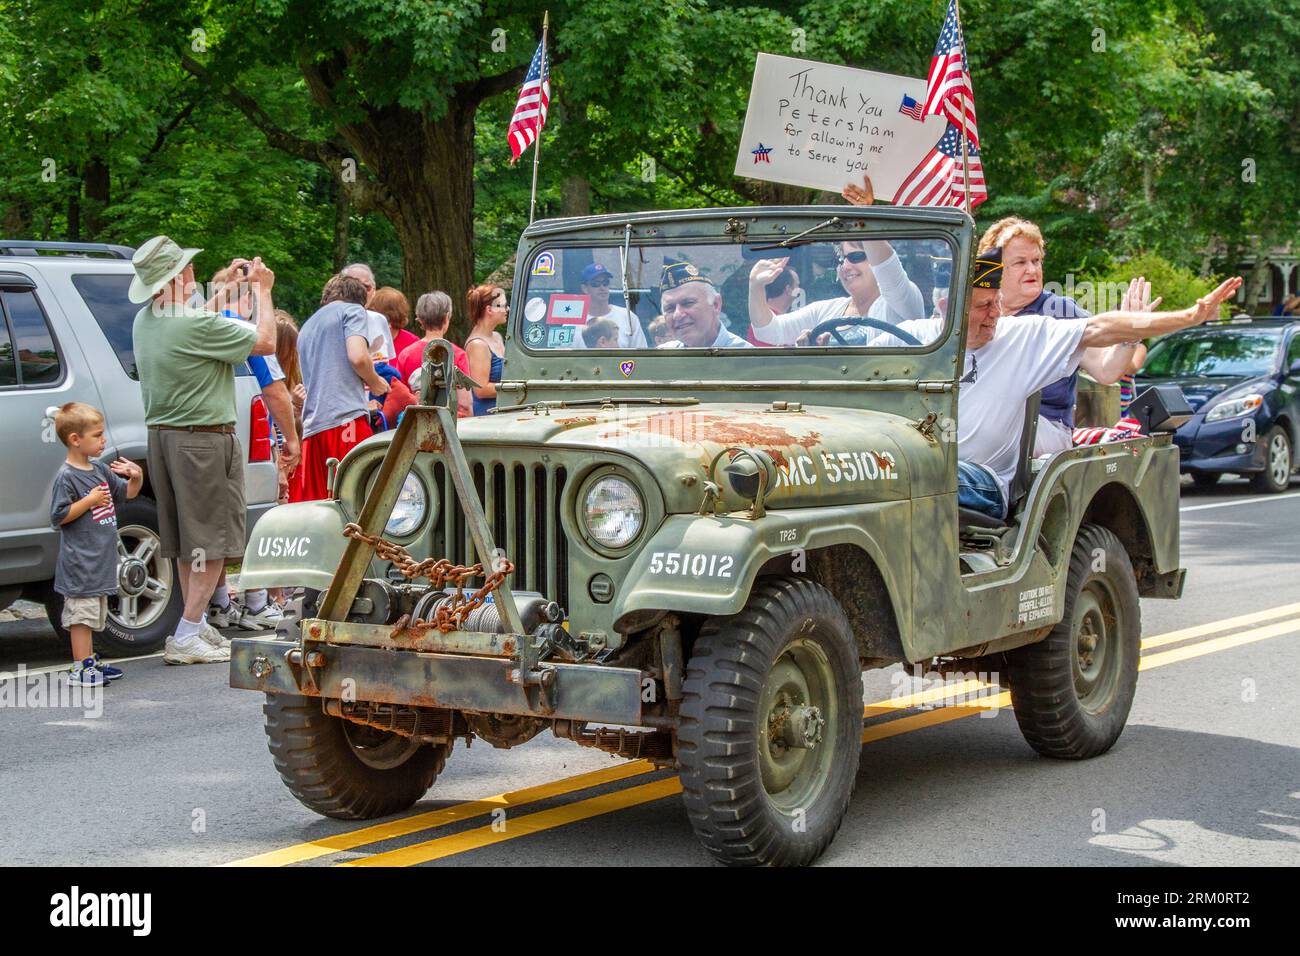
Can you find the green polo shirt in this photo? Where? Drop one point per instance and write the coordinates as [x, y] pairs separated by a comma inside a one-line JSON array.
[[186, 362]]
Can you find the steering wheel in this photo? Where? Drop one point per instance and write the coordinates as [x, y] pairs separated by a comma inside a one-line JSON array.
[[833, 327]]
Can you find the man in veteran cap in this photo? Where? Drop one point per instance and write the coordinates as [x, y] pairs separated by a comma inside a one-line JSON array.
[[1009, 358], [186, 360], [692, 307]]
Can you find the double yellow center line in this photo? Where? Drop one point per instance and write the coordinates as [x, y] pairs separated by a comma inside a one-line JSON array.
[[538, 821]]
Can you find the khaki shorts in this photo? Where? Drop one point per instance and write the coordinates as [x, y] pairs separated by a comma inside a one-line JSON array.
[[90, 611], [198, 481]]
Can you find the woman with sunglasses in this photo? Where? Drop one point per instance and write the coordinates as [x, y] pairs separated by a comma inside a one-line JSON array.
[[484, 348], [870, 272]]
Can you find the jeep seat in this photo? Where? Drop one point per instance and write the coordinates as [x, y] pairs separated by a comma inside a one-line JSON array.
[[1024, 477]]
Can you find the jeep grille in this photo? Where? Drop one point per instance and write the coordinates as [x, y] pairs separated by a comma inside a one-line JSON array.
[[522, 504]]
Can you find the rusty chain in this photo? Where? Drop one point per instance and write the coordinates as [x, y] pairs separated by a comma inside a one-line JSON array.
[[450, 616]]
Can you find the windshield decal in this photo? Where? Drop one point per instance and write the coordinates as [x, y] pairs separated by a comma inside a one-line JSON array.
[[544, 265]]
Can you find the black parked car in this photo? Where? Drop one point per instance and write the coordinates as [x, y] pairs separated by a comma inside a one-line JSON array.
[[1242, 378]]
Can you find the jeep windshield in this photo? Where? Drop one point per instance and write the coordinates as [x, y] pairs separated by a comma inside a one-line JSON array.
[[878, 295]]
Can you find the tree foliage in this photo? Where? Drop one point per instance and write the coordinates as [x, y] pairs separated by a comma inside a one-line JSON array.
[[308, 132]]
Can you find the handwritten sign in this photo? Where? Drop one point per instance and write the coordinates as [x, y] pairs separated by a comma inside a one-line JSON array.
[[824, 126]]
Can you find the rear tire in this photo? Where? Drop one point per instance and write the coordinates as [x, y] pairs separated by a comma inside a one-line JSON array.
[[318, 760], [1276, 476], [760, 686], [1072, 690]]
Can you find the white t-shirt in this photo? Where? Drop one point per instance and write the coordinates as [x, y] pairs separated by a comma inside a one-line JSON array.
[[377, 325], [899, 301], [1027, 353]]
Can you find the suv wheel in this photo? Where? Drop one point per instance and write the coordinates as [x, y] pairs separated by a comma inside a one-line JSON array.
[[346, 770], [771, 726], [148, 603], [1072, 690], [1276, 476]]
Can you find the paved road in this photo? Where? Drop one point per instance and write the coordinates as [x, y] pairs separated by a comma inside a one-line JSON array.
[[176, 770]]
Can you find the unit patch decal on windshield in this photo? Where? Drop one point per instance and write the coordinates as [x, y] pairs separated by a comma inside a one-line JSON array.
[[544, 264], [837, 467]]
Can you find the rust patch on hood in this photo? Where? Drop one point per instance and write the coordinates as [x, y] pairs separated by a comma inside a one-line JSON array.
[[701, 427]]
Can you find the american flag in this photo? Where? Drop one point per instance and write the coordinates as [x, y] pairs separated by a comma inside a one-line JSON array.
[[940, 180], [534, 97], [105, 510], [912, 108], [948, 88]]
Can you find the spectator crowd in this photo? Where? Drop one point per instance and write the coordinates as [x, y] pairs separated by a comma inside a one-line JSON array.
[[348, 370]]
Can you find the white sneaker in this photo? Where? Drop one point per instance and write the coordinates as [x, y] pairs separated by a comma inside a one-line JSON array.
[[223, 617], [193, 650], [267, 619], [210, 635]]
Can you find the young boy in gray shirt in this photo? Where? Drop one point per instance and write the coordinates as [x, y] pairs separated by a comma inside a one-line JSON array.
[[84, 509]]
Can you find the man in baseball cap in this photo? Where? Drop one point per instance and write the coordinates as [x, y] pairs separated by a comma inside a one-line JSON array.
[[596, 280]]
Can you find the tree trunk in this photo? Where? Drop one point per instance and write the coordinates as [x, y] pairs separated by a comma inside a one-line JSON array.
[[342, 215], [97, 194], [74, 210], [428, 169], [575, 196]]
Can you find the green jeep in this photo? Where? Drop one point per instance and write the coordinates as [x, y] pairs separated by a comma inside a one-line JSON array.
[[690, 554]]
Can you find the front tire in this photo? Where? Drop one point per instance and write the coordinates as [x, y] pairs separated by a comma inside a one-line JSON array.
[[1276, 476], [344, 770], [1072, 691], [771, 726]]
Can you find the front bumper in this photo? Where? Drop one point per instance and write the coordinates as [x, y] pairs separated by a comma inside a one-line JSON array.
[[1213, 447], [581, 692]]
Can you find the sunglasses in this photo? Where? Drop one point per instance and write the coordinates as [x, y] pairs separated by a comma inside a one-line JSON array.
[[599, 283], [856, 256]]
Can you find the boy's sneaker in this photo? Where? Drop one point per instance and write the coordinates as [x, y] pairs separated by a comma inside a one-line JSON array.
[[215, 638], [108, 670], [193, 650], [227, 616], [86, 674], [267, 619]]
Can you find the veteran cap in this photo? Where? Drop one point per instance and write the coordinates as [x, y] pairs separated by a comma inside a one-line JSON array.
[[678, 272], [988, 270]]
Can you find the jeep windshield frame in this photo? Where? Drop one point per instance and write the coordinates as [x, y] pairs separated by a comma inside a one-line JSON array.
[[556, 373]]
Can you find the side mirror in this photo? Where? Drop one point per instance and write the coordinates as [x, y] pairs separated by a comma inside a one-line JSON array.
[[1160, 408]]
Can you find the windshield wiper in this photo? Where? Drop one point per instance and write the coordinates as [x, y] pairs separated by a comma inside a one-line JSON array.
[[797, 240], [590, 402]]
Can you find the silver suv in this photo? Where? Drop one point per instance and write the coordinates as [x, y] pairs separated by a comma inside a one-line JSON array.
[[65, 335]]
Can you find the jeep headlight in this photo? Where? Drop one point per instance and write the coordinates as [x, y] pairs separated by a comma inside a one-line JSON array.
[[409, 510], [1235, 407], [613, 512]]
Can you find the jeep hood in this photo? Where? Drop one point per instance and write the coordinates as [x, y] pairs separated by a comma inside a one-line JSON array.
[[823, 454]]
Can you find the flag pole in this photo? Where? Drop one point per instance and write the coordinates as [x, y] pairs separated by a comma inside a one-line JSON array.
[[965, 158], [537, 146]]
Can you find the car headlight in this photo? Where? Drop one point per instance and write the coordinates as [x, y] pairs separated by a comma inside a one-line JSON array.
[[1235, 407], [409, 510], [613, 512]]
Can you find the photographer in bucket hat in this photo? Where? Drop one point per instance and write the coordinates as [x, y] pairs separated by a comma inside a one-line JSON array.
[[186, 359]]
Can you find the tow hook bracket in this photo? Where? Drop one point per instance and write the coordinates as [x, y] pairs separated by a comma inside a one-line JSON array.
[[530, 672]]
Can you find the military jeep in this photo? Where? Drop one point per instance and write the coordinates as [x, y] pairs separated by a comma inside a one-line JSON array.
[[690, 554]]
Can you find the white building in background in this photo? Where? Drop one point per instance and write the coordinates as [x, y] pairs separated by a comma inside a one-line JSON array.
[[1271, 281]]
